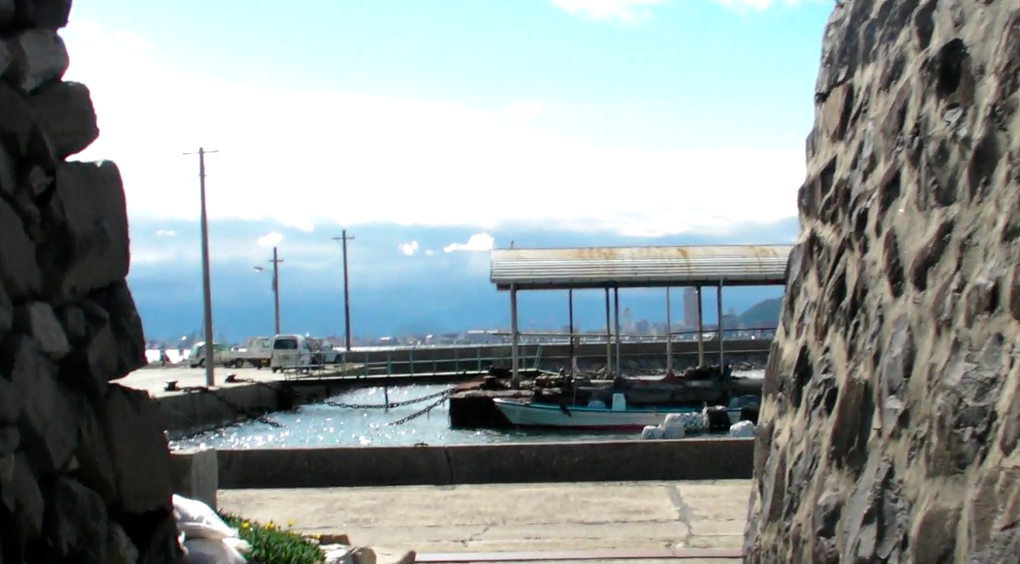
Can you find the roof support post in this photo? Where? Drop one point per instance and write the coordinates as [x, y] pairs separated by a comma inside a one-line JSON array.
[[516, 380], [616, 316], [718, 306], [669, 334], [701, 331], [570, 309], [609, 336]]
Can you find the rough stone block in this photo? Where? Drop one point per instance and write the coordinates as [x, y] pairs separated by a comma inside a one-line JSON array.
[[9, 173], [20, 132], [75, 524], [133, 428], [76, 326], [95, 466], [195, 474], [157, 541], [10, 439], [124, 324], [38, 57], [6, 313], [19, 271], [49, 418], [93, 362], [5, 54], [10, 401], [67, 116], [38, 321], [119, 548], [46, 14], [26, 503], [87, 248], [8, 12]]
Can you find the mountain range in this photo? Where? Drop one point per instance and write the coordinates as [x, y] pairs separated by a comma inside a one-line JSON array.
[[403, 279]]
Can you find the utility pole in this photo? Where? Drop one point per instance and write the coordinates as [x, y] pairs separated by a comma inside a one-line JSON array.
[[276, 290], [343, 238], [206, 284]]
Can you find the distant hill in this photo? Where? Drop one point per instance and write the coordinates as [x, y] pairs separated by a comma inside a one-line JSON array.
[[391, 292], [763, 314]]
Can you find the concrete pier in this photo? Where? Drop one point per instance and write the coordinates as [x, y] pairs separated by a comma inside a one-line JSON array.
[[502, 518], [193, 408]]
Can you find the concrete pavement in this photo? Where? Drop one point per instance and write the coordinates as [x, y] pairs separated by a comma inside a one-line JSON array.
[[524, 517], [153, 380]]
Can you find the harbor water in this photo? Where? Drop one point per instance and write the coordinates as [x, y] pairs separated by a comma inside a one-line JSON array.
[[324, 425]]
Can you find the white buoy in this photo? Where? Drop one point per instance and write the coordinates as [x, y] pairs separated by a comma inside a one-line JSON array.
[[742, 429], [651, 432], [674, 432]]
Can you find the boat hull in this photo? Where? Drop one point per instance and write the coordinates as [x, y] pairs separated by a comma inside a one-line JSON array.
[[543, 416]]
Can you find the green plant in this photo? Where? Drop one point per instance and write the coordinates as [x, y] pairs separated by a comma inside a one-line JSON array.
[[273, 544]]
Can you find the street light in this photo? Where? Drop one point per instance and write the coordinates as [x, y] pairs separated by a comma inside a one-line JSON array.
[[276, 288]]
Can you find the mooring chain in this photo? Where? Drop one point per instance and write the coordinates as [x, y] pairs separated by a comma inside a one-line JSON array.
[[424, 410], [390, 405]]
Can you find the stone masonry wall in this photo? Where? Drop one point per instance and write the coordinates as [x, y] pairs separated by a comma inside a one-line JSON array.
[[83, 461], [891, 422]]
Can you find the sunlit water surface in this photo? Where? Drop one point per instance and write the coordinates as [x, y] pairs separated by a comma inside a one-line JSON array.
[[322, 425]]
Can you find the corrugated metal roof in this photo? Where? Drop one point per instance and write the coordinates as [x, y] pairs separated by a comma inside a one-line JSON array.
[[638, 267]]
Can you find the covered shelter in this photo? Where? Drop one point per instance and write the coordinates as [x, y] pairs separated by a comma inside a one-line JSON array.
[[613, 268]]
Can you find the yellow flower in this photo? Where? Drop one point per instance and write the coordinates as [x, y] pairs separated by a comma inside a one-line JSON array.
[[270, 526], [245, 525], [317, 536], [290, 523]]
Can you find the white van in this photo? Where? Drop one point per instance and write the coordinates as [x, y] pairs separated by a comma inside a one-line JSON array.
[[196, 357], [296, 352]]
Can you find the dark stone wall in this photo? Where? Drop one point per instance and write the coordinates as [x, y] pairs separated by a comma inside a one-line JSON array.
[[83, 461]]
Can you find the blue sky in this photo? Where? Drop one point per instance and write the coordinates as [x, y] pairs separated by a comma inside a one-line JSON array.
[[429, 112], [486, 120]]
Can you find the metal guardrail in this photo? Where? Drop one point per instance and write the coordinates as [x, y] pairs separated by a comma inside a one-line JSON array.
[[359, 364], [350, 367]]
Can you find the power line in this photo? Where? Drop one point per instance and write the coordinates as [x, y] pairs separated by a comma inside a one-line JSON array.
[[344, 240]]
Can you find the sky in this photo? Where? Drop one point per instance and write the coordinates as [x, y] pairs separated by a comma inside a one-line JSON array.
[[493, 118]]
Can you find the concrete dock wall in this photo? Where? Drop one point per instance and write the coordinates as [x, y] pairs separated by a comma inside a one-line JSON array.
[[635, 460], [193, 412]]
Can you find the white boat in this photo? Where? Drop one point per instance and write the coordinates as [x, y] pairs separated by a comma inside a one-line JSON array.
[[594, 417]]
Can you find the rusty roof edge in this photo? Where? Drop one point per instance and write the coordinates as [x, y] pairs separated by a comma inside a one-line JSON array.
[[722, 245]]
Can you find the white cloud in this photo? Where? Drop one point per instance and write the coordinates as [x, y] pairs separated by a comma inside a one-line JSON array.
[[165, 233], [449, 157], [624, 10], [523, 111], [631, 11], [428, 252], [409, 248], [270, 240], [477, 242]]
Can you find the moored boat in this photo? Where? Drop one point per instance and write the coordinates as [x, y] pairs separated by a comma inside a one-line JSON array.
[[596, 417]]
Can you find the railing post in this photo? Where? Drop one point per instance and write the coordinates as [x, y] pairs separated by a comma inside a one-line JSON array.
[[389, 363], [366, 364], [456, 360], [410, 361], [478, 354]]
